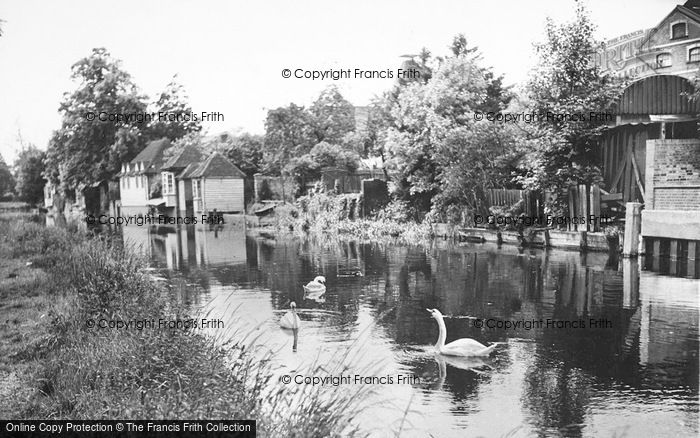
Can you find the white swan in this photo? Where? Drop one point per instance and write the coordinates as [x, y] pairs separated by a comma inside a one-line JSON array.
[[460, 347], [317, 287], [290, 320]]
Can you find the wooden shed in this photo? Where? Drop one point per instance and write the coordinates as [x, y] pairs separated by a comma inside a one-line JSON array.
[[217, 184]]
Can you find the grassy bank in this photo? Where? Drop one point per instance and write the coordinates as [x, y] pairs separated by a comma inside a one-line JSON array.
[[55, 366], [338, 216]]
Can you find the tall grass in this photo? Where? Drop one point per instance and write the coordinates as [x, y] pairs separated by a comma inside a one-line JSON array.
[[89, 373], [323, 214]]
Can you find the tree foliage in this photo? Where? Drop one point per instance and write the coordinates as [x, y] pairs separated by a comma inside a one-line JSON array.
[[442, 158], [332, 117], [246, 152], [29, 170], [300, 141], [85, 150], [288, 133], [7, 181], [566, 81], [82, 151], [173, 101]]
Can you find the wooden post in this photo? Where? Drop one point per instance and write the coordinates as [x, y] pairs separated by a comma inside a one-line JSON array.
[[595, 207], [673, 257], [583, 200], [630, 285], [572, 206], [656, 255], [692, 258], [633, 228]]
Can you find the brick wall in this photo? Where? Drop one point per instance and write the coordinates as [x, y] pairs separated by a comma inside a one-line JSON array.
[[677, 199], [674, 183], [677, 163]]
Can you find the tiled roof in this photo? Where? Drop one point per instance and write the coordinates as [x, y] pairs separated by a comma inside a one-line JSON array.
[[188, 171], [187, 156], [217, 166], [152, 152], [151, 157]]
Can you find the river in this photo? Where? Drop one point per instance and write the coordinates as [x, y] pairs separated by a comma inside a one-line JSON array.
[[602, 347]]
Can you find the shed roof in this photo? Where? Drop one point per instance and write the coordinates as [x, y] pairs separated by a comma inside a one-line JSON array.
[[217, 166], [188, 155]]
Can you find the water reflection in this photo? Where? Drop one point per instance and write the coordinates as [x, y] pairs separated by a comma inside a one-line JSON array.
[[634, 373]]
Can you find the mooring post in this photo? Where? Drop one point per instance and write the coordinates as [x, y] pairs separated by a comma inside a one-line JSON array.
[[656, 255], [633, 228], [692, 254]]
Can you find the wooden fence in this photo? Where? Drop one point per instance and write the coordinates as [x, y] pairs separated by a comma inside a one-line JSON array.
[[346, 182], [508, 197], [589, 207], [584, 203]]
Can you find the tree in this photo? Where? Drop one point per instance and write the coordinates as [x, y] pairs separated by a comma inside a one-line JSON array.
[[85, 151], [7, 181], [332, 117], [246, 152], [566, 82], [442, 157], [29, 170], [289, 132], [178, 119]]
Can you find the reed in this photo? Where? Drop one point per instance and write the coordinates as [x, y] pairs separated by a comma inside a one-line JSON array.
[[84, 372]]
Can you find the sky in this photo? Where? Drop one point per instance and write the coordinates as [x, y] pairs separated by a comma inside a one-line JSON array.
[[229, 55]]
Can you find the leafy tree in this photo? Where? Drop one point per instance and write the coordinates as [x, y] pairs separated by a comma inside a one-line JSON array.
[[246, 152], [289, 133], [333, 155], [433, 141], [473, 159], [332, 117], [86, 151], [565, 81], [174, 104], [29, 170], [7, 181]]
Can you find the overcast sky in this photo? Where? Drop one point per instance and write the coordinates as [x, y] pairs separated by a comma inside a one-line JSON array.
[[229, 55]]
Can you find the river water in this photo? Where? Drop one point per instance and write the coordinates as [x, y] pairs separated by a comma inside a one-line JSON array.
[[625, 364]]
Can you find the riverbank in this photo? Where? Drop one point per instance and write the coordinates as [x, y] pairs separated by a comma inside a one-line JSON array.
[[331, 216], [56, 365], [326, 216]]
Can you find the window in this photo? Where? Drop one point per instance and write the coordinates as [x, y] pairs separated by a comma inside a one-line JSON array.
[[694, 54], [138, 182], [196, 189], [128, 182], [663, 60], [168, 183], [679, 30]]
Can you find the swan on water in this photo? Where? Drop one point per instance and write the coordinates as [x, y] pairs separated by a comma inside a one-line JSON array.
[[317, 287], [460, 347], [290, 320]]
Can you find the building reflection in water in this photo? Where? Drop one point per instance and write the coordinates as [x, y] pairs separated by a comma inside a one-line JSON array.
[[641, 359]]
